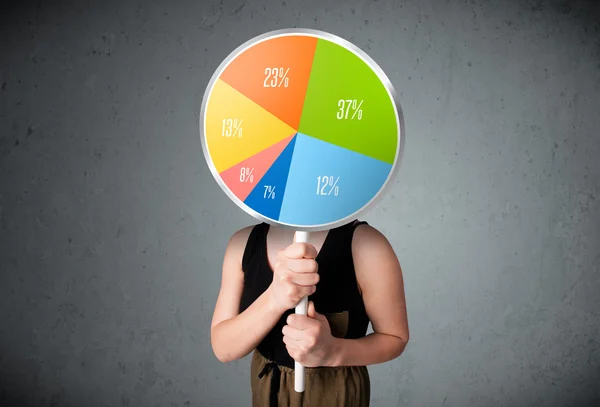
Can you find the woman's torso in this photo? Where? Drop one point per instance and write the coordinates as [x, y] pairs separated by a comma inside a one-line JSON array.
[[337, 296]]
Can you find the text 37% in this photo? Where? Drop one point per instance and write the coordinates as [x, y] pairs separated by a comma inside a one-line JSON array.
[[349, 107]]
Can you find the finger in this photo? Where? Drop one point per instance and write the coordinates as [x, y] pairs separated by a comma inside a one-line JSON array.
[[305, 291], [295, 354], [302, 265], [290, 344], [282, 273], [303, 279], [299, 334], [300, 251], [310, 312], [292, 333], [300, 322]]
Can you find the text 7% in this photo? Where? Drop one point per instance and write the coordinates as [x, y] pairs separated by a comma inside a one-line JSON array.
[[269, 192]]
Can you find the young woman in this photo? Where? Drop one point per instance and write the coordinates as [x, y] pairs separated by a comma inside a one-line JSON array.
[[351, 276]]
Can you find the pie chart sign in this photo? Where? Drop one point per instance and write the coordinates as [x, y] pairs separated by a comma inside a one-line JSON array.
[[301, 129]]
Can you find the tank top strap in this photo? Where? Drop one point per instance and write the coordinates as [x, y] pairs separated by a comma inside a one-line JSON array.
[[339, 291], [254, 245], [356, 223], [338, 287], [254, 266], [343, 237]]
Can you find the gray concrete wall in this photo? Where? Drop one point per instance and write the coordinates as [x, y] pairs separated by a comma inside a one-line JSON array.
[[112, 229]]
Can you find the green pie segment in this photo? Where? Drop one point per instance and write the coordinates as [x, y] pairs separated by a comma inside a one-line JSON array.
[[347, 104]]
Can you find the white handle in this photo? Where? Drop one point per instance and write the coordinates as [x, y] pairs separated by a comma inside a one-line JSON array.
[[301, 309]]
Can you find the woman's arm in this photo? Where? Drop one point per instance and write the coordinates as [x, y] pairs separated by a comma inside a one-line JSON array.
[[380, 280], [235, 335], [308, 338]]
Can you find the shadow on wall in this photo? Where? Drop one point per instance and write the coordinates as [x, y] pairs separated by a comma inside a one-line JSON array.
[[28, 383], [22, 384]]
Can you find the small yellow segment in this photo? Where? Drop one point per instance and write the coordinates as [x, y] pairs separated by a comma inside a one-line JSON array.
[[237, 128]]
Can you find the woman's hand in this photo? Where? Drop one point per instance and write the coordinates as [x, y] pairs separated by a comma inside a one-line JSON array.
[[308, 338], [295, 275]]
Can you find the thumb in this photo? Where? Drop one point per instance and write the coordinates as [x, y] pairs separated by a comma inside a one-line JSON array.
[[312, 312]]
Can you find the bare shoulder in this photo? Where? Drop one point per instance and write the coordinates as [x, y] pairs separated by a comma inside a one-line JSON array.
[[237, 244], [241, 235], [367, 238], [232, 281], [380, 282], [374, 257]]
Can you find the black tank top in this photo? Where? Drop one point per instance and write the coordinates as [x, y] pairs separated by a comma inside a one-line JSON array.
[[337, 289]]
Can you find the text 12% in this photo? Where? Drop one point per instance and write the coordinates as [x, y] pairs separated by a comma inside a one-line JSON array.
[[327, 185]]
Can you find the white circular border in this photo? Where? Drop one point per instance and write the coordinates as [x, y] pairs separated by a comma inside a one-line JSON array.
[[339, 41]]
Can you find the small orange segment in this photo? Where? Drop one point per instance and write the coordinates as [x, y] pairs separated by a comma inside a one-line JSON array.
[[274, 74]]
